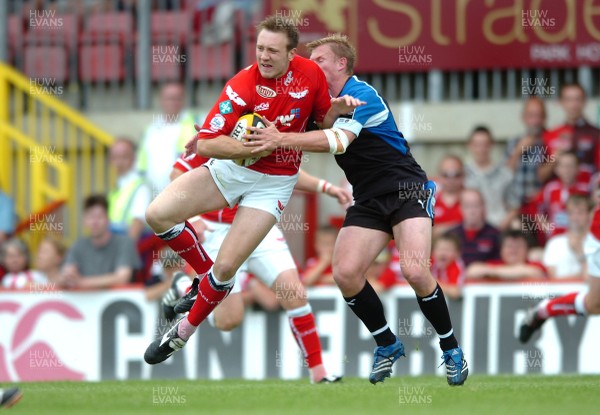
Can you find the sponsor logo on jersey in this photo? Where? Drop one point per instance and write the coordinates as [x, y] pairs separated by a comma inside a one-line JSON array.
[[232, 95], [225, 107], [286, 119], [298, 95], [288, 79], [217, 122], [263, 106], [265, 92]]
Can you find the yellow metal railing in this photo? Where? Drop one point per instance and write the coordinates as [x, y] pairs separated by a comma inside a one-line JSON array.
[[48, 152]]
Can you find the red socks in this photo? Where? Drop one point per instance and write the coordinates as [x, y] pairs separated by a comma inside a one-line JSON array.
[[210, 293], [562, 306], [183, 240], [304, 329]]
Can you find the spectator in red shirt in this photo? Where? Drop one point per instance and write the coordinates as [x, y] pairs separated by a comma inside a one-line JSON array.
[[318, 270], [513, 263], [479, 240], [576, 134], [450, 178], [552, 200], [447, 266]]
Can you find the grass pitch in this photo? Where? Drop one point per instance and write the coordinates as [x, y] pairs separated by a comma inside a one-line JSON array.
[[481, 395]]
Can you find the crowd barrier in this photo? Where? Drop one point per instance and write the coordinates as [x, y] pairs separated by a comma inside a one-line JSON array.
[[102, 335]]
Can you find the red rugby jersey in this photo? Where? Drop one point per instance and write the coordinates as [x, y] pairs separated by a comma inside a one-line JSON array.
[[289, 101]]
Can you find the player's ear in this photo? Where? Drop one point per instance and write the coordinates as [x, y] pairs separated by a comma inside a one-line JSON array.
[[342, 63], [292, 53]]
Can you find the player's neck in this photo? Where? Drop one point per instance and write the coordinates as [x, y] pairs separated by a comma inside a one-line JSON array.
[[336, 86]]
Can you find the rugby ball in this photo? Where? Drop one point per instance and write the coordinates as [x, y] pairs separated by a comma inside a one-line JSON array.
[[241, 128]]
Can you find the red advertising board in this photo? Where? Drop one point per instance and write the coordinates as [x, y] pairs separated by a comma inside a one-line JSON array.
[[420, 35]]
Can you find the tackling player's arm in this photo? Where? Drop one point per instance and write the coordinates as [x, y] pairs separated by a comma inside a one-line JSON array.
[[367, 108], [339, 106], [332, 140]]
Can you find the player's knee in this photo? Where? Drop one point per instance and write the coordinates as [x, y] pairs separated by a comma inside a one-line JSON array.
[[228, 322], [345, 276], [416, 276], [224, 269], [592, 304], [292, 299], [152, 215]]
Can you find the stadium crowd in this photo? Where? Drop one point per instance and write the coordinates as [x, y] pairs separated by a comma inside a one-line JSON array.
[[523, 216]]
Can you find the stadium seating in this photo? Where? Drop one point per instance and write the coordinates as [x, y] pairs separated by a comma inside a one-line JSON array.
[[212, 62], [66, 34], [170, 27], [15, 35], [166, 62], [109, 27], [101, 62], [49, 62]]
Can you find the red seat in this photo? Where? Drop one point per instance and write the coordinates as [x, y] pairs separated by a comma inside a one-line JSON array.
[[15, 31], [166, 62], [108, 27], [170, 26], [63, 32], [46, 62], [211, 62], [101, 62]]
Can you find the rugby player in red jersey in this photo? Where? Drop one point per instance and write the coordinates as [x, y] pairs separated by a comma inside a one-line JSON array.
[[261, 190]]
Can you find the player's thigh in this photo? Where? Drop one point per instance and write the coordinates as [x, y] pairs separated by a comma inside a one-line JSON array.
[[413, 241], [355, 249], [248, 229], [272, 258], [188, 195]]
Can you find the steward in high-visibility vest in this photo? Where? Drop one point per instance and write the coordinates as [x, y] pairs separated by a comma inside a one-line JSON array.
[[163, 142], [123, 205]]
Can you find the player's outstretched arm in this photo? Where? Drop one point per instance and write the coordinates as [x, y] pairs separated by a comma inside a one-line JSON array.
[[340, 106], [331, 140]]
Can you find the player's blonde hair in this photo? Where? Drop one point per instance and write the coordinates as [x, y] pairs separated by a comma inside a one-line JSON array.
[[341, 48]]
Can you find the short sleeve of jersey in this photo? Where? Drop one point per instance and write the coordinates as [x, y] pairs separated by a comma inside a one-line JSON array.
[[189, 163], [372, 114], [235, 100]]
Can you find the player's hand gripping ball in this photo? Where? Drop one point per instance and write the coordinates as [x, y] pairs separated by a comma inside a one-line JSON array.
[[241, 128]]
